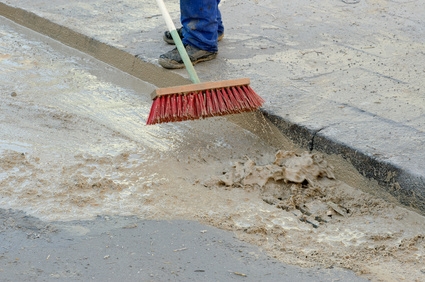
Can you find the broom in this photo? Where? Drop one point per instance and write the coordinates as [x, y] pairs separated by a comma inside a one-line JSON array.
[[199, 100]]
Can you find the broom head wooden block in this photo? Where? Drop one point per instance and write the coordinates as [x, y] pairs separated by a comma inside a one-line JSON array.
[[202, 100]]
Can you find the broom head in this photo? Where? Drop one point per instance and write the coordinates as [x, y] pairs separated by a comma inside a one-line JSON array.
[[201, 100]]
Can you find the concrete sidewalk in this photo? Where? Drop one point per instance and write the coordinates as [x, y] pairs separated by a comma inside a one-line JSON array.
[[337, 77]]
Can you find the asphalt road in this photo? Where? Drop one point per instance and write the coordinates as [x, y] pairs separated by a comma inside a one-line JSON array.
[[130, 249]]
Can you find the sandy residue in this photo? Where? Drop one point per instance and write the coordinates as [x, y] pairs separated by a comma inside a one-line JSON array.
[[11, 159], [313, 219]]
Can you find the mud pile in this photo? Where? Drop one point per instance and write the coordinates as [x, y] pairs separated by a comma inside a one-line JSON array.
[[314, 219], [291, 182]]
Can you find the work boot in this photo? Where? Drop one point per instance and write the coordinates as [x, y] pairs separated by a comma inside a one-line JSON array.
[[169, 39], [173, 60]]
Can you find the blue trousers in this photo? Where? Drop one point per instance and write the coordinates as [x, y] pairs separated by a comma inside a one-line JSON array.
[[201, 21]]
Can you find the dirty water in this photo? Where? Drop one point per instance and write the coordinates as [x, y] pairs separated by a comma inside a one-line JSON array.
[[74, 145]]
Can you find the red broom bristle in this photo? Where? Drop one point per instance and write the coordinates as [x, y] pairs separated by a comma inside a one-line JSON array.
[[191, 113], [221, 105], [239, 105], [227, 103], [233, 102], [241, 98], [208, 102], [179, 107], [202, 104], [248, 97], [220, 100], [196, 109], [252, 96], [216, 107], [173, 103], [153, 113], [196, 104], [163, 102], [184, 108]]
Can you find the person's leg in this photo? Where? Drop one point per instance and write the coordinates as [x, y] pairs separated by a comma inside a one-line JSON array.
[[200, 23], [220, 29], [220, 26]]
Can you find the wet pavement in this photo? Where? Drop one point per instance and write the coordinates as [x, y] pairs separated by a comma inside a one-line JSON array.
[[341, 77], [129, 249]]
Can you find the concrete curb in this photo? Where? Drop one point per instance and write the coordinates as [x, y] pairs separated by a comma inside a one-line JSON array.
[[99, 50], [406, 185]]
